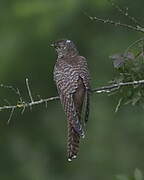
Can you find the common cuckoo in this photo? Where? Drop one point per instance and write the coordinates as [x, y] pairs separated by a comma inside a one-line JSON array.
[[72, 80]]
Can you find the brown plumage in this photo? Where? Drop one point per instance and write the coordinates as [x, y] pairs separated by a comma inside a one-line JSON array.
[[72, 80]]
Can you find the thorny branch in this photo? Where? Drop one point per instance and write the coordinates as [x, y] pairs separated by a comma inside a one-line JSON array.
[[22, 105]]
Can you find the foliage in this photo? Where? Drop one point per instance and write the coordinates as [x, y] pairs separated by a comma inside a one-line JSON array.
[[129, 66]]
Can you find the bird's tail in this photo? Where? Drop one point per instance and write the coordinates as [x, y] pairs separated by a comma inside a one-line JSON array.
[[73, 142]]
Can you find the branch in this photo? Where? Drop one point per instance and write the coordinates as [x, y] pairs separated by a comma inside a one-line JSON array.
[[108, 89], [107, 21], [28, 104], [137, 28], [104, 89]]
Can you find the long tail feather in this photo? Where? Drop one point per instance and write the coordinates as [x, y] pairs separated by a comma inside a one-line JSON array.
[[73, 142]]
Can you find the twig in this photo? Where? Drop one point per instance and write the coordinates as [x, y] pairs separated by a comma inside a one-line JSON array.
[[107, 89], [107, 21], [19, 94], [29, 91], [124, 13], [15, 90], [23, 110], [104, 89], [118, 105], [137, 28], [9, 87], [28, 104], [12, 111]]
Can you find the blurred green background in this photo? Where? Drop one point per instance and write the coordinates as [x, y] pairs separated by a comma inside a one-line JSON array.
[[33, 145]]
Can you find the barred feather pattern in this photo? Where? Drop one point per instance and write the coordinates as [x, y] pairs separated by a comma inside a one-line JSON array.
[[67, 72], [72, 143], [75, 130]]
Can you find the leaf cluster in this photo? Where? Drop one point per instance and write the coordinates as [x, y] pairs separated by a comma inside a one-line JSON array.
[[129, 66]]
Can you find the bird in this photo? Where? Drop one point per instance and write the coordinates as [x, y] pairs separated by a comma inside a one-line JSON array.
[[72, 79]]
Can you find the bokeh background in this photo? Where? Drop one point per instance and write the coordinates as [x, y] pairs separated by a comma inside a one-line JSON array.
[[33, 145]]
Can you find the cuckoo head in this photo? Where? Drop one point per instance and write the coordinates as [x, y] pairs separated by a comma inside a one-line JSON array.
[[65, 48]]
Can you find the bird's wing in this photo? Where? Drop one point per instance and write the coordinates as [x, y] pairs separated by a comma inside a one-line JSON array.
[[84, 74], [81, 101], [85, 108]]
